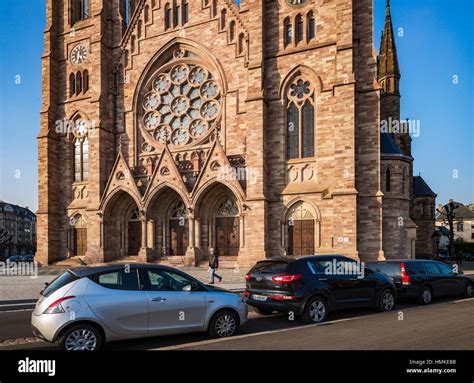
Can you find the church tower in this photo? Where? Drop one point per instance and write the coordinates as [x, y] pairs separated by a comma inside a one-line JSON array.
[[76, 133], [389, 79]]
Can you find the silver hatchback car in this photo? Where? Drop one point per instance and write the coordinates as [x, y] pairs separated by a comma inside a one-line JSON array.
[[85, 307]]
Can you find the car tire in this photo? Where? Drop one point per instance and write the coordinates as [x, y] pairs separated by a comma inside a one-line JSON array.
[[264, 311], [426, 296], [386, 301], [469, 290], [81, 337], [316, 310], [224, 323]]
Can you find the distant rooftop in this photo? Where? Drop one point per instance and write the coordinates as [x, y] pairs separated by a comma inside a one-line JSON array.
[[462, 211]]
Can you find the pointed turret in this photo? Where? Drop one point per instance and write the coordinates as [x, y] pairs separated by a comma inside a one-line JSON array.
[[388, 69], [389, 79]]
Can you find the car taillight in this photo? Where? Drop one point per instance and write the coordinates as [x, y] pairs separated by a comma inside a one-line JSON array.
[[55, 307], [247, 277], [405, 276], [282, 297], [246, 294], [287, 278]]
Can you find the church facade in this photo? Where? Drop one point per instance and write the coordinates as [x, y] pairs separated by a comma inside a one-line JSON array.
[[172, 127]]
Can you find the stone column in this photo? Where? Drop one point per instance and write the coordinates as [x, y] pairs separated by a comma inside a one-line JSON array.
[[143, 253], [192, 257], [164, 241], [241, 232], [192, 241], [151, 234], [198, 232], [144, 233]]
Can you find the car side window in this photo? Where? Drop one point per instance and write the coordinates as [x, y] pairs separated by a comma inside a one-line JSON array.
[[431, 268], [317, 267], [163, 280], [445, 269], [119, 280]]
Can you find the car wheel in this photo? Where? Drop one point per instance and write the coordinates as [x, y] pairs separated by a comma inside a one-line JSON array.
[[223, 324], [316, 310], [386, 301], [82, 337], [264, 311], [426, 296], [468, 292]]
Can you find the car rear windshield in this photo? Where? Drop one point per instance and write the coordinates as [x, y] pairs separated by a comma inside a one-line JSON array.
[[389, 268], [59, 282], [270, 267]]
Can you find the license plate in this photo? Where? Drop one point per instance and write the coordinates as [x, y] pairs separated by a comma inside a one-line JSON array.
[[261, 298]]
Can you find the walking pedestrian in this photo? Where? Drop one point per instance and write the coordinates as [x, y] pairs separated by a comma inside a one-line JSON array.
[[213, 265]]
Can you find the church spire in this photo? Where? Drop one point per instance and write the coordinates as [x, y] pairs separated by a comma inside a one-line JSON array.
[[388, 69]]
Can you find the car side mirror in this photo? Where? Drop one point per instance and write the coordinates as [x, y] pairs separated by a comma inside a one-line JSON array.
[[193, 286]]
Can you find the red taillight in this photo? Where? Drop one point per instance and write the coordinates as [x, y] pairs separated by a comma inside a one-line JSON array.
[[405, 276], [247, 277], [282, 297], [246, 294], [287, 278], [55, 307]]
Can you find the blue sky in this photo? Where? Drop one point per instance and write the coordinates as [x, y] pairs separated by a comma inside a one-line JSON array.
[[437, 44]]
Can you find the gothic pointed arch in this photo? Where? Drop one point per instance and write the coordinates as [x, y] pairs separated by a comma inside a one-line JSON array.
[[301, 228], [165, 175], [300, 90], [217, 168], [121, 179], [300, 71]]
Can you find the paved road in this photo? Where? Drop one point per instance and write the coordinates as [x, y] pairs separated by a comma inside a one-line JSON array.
[[442, 326], [446, 324], [15, 324]]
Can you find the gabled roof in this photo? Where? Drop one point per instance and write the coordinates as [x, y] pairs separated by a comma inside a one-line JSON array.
[[462, 211], [421, 188]]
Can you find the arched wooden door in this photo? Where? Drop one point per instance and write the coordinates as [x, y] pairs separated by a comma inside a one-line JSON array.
[[227, 225], [301, 237], [301, 226], [179, 230], [134, 233], [79, 236]]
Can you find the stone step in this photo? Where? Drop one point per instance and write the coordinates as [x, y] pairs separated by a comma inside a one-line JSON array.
[[172, 261], [130, 259], [71, 262]]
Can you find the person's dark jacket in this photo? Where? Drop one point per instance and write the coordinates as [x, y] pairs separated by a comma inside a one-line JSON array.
[[214, 261]]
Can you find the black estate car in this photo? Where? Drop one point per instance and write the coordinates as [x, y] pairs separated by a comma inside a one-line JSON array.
[[313, 286], [424, 279]]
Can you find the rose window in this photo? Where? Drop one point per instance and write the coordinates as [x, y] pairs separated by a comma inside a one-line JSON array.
[[181, 105], [300, 89]]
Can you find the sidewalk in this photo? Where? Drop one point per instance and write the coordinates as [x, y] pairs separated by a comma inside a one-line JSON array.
[[26, 287]]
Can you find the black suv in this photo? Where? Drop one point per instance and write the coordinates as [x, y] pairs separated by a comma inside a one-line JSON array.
[[424, 279], [314, 285]]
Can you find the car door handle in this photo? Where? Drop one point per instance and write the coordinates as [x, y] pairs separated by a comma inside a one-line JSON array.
[[322, 279], [158, 299]]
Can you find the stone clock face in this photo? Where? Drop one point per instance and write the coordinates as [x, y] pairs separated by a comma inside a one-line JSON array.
[[78, 54], [296, 3]]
